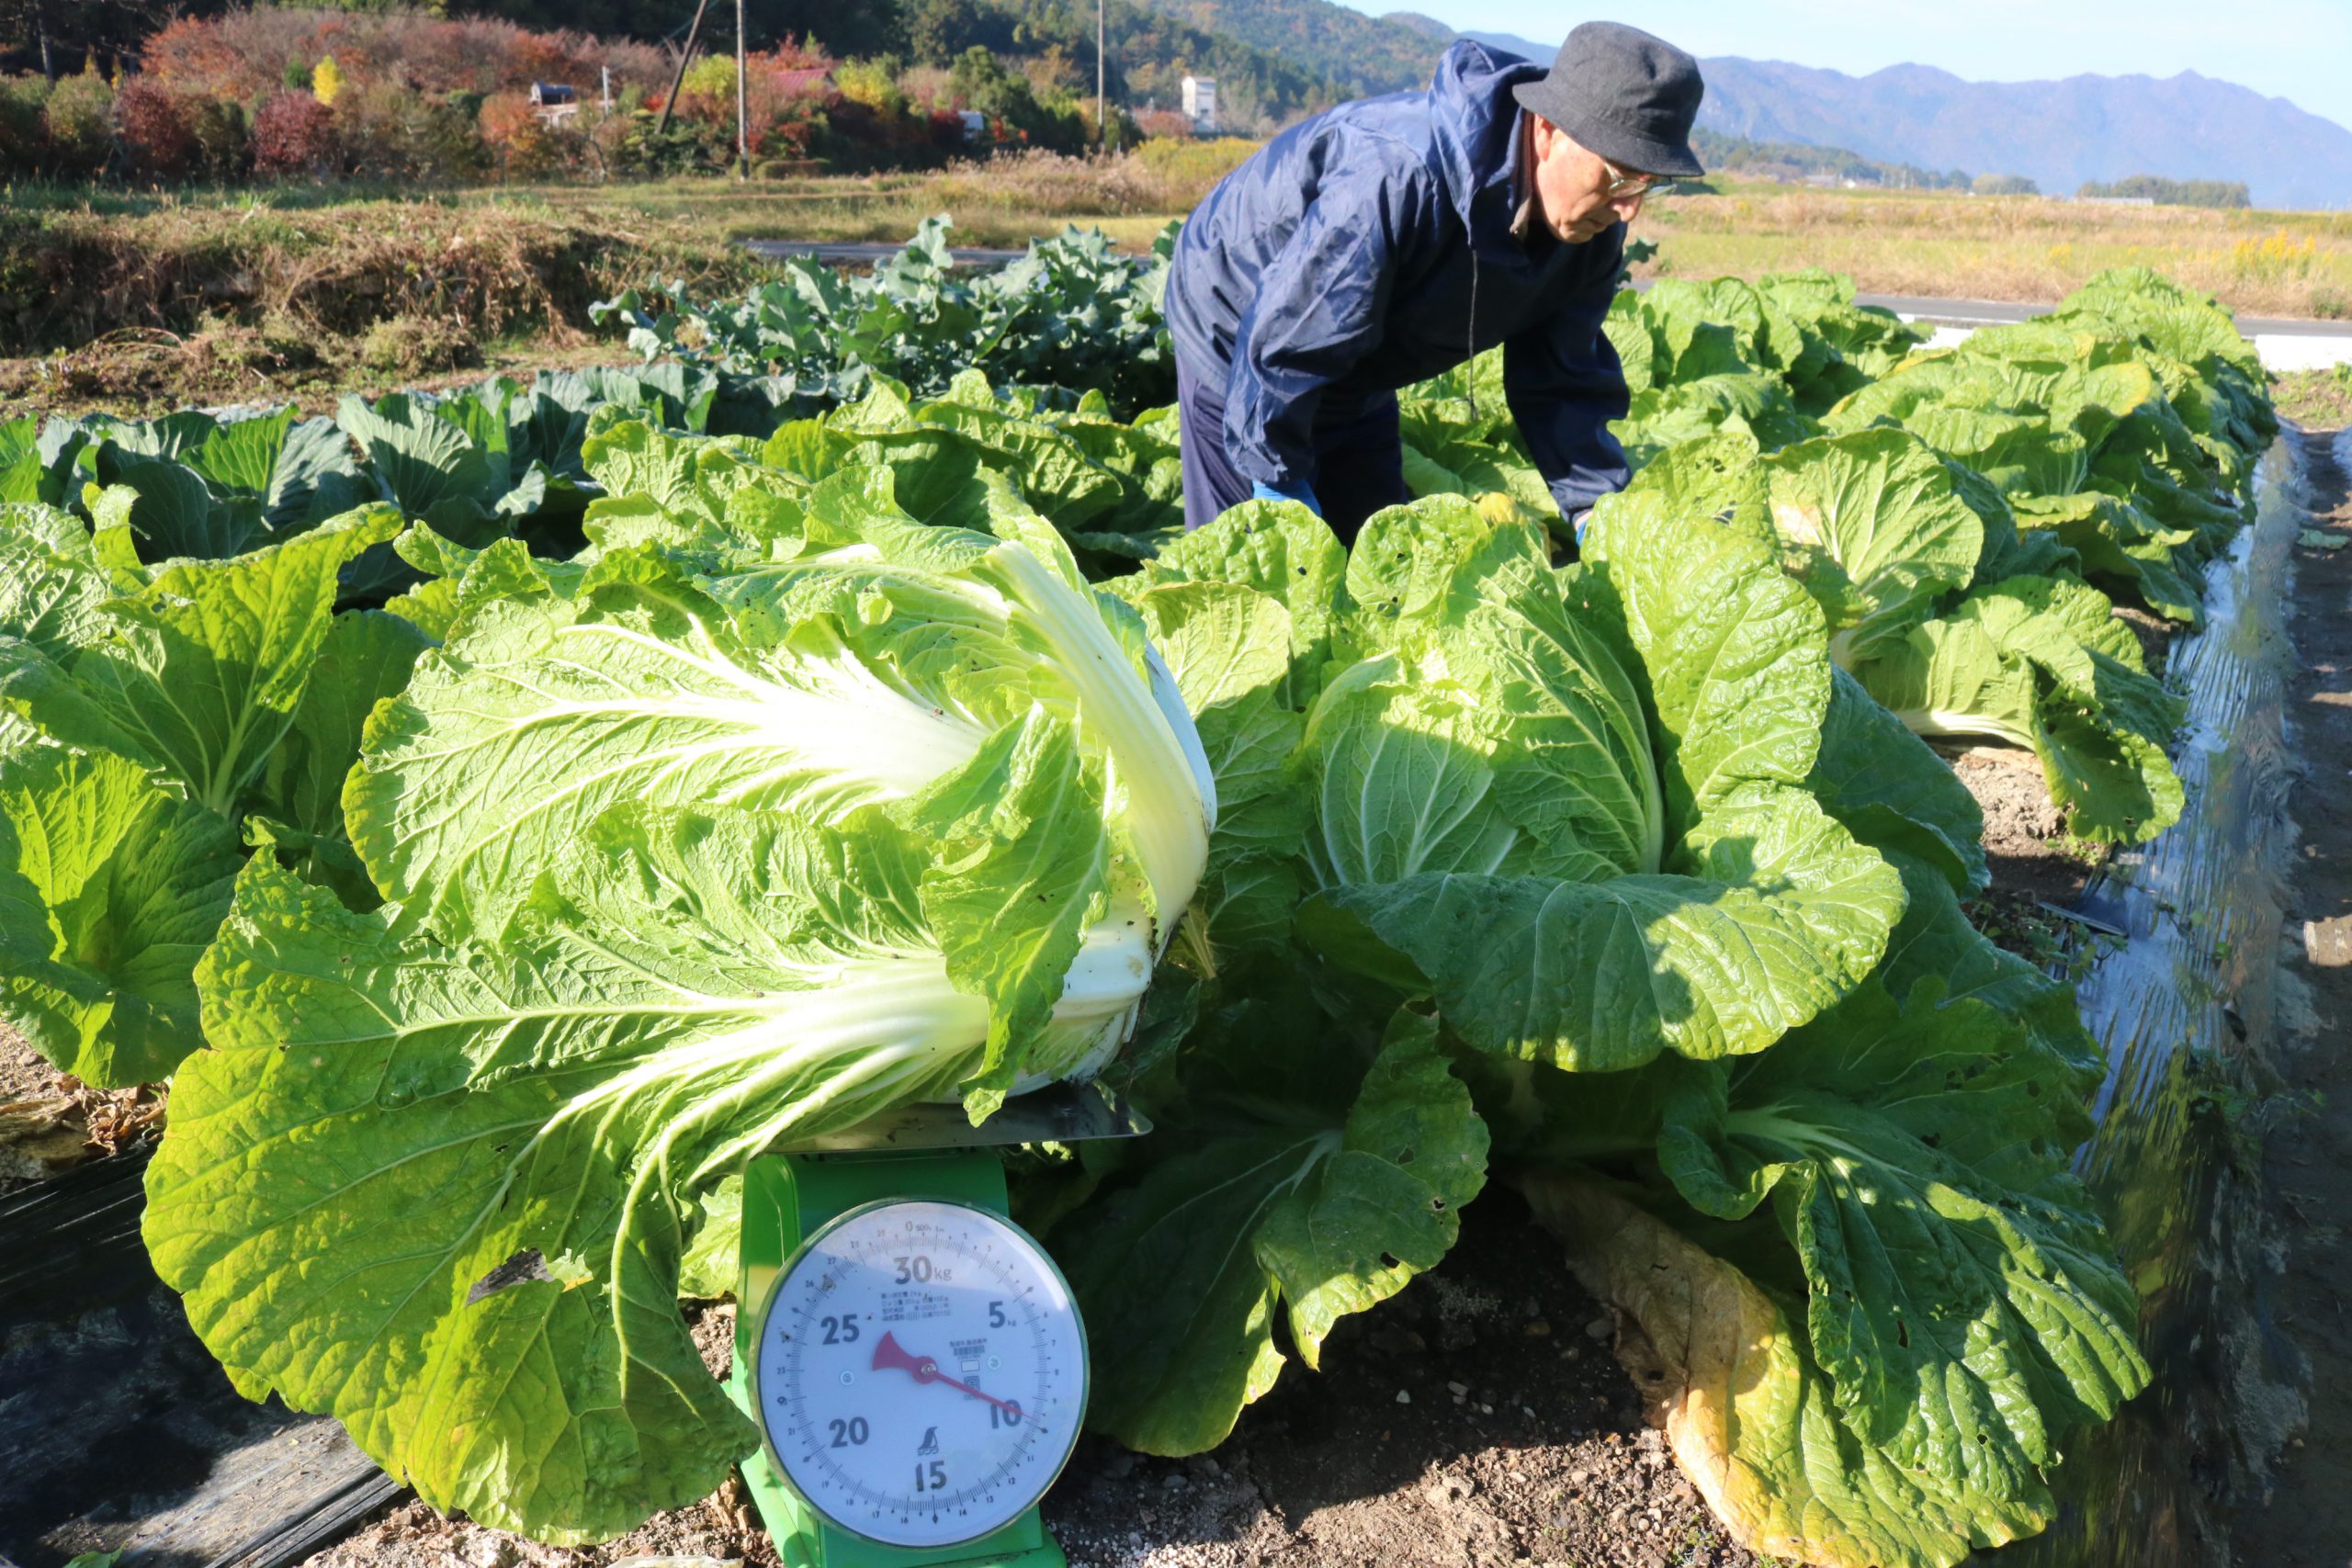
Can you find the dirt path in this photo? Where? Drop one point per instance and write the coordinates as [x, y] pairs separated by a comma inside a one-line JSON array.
[[2307, 1128]]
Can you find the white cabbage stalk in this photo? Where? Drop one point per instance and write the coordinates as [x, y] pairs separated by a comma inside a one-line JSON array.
[[860, 1036], [1940, 724]]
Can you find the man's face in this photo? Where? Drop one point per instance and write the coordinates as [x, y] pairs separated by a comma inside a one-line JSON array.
[[1572, 188]]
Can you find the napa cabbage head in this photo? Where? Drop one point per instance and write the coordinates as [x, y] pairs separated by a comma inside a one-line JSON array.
[[1570, 809], [858, 656], [682, 859]]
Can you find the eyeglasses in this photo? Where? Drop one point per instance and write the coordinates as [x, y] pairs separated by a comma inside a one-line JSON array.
[[1622, 184]]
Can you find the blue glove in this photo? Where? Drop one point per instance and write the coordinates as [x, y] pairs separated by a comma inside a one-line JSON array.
[[1577, 521], [1298, 490]]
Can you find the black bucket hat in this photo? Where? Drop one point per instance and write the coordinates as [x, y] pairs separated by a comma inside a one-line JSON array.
[[1624, 94]]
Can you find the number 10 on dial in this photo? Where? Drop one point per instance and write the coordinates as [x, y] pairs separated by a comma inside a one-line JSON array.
[[920, 1373]]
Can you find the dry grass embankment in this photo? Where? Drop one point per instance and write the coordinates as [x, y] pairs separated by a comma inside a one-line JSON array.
[[68, 275], [132, 302], [2026, 249], [188, 302]]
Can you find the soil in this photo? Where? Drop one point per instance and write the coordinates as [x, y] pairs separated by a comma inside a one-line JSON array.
[[2155, 635], [719, 1529], [1479, 1418], [2027, 847], [2306, 1129], [2034, 861], [51, 1121]]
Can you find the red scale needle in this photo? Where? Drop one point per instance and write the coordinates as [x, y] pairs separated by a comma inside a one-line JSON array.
[[891, 1357]]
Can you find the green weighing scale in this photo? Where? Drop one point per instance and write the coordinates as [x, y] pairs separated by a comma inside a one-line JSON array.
[[914, 1360]]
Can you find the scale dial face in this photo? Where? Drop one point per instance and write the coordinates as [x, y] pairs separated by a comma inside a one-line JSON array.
[[922, 1372]]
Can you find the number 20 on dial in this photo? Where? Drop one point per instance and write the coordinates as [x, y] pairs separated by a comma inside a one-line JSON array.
[[922, 1372]]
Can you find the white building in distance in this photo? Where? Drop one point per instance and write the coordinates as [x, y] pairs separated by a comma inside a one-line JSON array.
[[1199, 102]]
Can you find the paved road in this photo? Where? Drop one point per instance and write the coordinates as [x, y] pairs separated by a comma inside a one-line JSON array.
[[785, 250], [2284, 344], [1990, 312]]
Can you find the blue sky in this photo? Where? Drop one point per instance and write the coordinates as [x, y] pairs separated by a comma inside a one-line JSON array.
[[2297, 50]]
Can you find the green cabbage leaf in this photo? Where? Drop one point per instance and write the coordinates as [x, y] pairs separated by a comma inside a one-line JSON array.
[[155, 722]]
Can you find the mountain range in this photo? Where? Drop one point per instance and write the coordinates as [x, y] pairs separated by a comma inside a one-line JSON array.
[[2057, 133]]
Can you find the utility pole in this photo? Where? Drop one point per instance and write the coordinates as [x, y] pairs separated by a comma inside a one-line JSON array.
[[693, 31], [742, 101], [1101, 139]]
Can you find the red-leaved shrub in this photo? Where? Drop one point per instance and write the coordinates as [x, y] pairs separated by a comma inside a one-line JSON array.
[[789, 140], [156, 127], [1171, 123], [788, 90], [293, 134], [948, 132]]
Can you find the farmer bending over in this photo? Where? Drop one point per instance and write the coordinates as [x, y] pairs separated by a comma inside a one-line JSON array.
[[1385, 241]]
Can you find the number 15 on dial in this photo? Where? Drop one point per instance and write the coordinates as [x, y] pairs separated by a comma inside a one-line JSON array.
[[920, 1373]]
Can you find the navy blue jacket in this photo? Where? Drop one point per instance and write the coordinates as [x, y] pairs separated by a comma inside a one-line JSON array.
[[1370, 247]]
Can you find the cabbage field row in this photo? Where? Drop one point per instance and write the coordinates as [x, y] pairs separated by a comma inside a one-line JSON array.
[[501, 814]]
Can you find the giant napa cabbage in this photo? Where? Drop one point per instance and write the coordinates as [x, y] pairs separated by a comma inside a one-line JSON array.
[[685, 851], [1885, 535], [1501, 821], [1572, 809]]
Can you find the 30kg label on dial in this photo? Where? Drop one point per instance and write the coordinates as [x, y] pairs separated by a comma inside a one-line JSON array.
[[922, 1372]]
